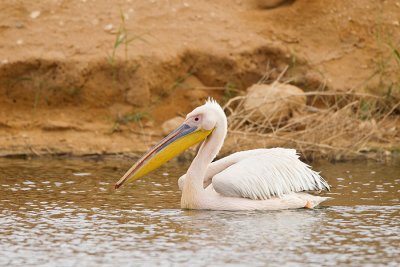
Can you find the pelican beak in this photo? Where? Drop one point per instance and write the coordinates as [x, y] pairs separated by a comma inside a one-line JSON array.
[[171, 146]]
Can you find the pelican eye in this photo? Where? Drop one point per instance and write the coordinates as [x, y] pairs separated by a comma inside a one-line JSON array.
[[196, 119]]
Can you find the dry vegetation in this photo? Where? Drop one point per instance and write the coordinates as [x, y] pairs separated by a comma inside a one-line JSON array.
[[334, 125]]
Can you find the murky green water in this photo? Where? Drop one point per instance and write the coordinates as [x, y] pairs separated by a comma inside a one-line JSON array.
[[66, 213]]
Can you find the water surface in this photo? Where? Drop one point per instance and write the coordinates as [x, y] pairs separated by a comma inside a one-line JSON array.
[[66, 213]]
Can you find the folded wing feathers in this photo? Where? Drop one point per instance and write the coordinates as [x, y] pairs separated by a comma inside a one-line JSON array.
[[274, 173]]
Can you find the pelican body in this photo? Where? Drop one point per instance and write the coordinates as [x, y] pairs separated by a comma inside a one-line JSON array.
[[260, 179]]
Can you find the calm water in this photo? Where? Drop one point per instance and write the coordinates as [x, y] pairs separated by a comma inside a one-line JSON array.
[[66, 213]]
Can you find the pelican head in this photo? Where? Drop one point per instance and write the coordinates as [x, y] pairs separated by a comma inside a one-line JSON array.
[[198, 124]]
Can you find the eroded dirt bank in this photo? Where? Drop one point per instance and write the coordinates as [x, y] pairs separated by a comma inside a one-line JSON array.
[[90, 77]]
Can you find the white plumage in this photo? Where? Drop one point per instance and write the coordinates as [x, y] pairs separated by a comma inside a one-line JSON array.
[[255, 179], [271, 173], [262, 174]]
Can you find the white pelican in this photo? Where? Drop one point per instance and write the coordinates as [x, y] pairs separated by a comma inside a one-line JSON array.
[[260, 179]]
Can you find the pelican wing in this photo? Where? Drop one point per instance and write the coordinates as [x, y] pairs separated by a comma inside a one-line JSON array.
[[221, 164], [266, 174]]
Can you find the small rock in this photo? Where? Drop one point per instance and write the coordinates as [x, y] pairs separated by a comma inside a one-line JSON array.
[[4, 61], [35, 14], [193, 91], [196, 96], [172, 124], [274, 102], [108, 27], [149, 124], [192, 82], [269, 3], [20, 42], [82, 174]]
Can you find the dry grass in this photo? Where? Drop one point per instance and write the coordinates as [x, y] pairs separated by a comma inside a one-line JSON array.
[[333, 125]]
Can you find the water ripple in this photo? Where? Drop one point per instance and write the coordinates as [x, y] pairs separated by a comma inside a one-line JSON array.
[[50, 216]]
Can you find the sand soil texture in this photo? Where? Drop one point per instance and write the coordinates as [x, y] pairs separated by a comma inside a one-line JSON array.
[[86, 77]]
